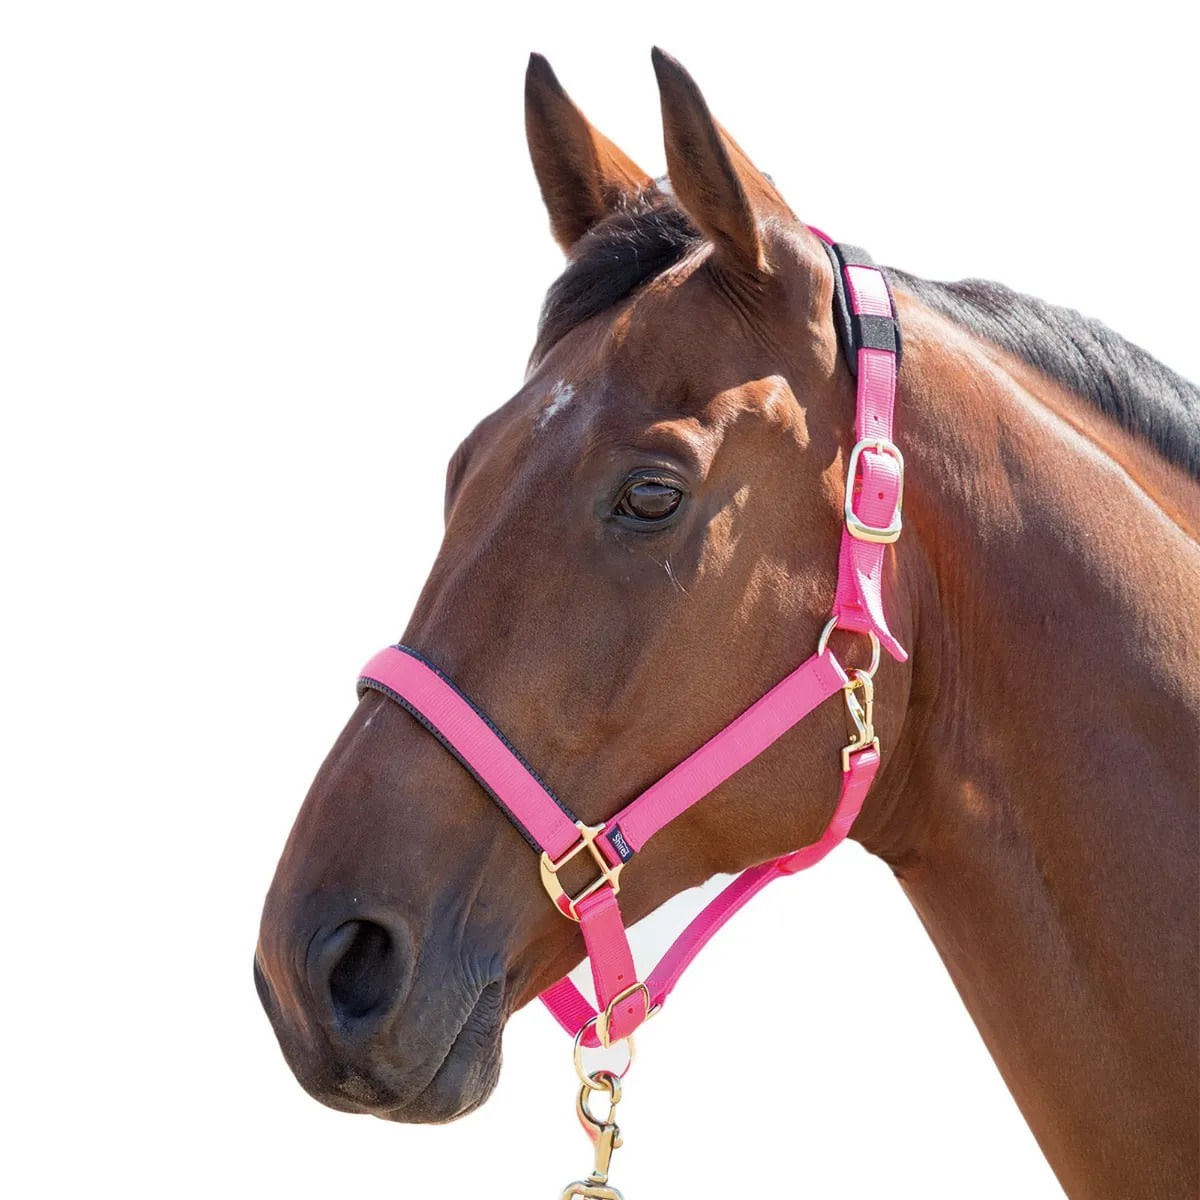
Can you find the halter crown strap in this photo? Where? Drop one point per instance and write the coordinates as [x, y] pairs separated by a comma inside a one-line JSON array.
[[865, 316]]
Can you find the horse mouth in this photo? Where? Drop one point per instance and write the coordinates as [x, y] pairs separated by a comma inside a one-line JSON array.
[[374, 1078], [468, 1072]]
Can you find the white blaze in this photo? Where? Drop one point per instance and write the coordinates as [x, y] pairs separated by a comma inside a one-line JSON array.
[[560, 396]]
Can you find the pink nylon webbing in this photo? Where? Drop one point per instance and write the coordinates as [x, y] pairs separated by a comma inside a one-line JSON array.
[[858, 602], [571, 1008], [724, 754]]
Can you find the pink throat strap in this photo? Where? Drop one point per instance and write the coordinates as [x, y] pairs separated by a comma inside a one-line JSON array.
[[870, 339]]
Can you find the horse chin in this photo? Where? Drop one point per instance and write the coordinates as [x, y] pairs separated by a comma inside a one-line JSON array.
[[466, 1078]]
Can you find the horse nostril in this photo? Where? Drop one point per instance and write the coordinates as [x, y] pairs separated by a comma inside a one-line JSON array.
[[359, 965]]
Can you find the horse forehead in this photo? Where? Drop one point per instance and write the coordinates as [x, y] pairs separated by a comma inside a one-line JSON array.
[[552, 402], [577, 414]]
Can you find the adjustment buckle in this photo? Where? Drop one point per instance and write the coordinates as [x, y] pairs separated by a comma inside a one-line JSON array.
[[604, 1019], [857, 528], [549, 869]]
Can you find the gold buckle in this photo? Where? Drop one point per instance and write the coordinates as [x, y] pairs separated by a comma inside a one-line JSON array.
[[857, 528], [604, 1019], [549, 869]]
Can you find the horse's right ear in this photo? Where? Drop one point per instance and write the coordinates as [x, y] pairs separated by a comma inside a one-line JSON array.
[[583, 176]]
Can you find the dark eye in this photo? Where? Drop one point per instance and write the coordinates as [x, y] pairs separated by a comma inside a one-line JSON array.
[[648, 500]]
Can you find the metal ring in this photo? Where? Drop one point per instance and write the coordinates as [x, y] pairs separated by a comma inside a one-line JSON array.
[[585, 1077], [832, 624]]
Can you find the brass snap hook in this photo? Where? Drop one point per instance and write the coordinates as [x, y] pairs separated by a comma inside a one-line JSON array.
[[860, 715], [591, 1191], [604, 1134]]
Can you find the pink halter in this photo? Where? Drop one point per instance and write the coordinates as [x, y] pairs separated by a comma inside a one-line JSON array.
[[869, 335]]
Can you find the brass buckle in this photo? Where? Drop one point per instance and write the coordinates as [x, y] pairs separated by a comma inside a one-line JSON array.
[[857, 528], [604, 1019], [549, 869]]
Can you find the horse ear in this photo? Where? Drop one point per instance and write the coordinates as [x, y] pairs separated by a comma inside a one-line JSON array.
[[583, 176], [719, 188]]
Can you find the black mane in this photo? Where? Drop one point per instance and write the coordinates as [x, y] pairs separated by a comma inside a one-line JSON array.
[[1120, 379]]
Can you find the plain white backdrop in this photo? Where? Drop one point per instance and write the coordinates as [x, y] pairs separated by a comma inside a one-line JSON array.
[[261, 267]]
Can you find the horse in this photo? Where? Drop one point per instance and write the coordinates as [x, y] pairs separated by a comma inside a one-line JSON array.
[[645, 537]]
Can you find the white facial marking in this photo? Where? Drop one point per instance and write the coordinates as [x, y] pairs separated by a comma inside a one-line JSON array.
[[560, 396]]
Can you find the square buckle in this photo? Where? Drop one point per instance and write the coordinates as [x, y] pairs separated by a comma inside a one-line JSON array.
[[549, 869], [885, 534]]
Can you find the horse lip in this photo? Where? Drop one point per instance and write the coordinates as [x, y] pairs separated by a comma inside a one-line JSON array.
[[488, 1027]]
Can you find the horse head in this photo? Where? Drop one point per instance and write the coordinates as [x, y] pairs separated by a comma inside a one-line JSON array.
[[637, 544]]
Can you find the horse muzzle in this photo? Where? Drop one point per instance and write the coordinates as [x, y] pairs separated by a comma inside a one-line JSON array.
[[365, 1032]]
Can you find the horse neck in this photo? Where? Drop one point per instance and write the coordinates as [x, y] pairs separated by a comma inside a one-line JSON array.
[[1040, 810]]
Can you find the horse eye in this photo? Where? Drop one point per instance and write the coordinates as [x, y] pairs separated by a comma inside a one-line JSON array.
[[648, 500]]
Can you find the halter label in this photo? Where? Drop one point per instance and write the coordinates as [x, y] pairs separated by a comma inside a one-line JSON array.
[[617, 841]]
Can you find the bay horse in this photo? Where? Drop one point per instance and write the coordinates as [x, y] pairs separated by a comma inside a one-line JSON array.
[[645, 537]]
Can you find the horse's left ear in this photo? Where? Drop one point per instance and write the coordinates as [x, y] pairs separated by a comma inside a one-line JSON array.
[[583, 176], [719, 188]]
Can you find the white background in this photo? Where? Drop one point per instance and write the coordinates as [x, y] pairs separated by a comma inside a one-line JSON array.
[[262, 266]]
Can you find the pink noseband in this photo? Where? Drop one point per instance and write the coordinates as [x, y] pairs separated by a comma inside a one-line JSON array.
[[869, 334]]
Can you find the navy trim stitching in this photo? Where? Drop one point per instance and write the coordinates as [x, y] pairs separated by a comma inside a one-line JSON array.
[[375, 685]]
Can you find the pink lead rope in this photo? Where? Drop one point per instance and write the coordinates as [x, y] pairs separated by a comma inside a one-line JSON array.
[[869, 336]]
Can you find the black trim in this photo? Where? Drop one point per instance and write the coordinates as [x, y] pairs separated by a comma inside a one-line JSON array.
[[366, 683], [858, 332], [842, 313], [874, 333], [887, 283], [854, 256]]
